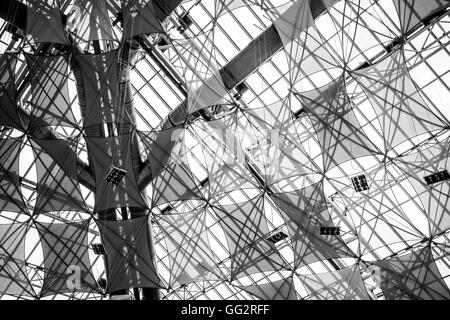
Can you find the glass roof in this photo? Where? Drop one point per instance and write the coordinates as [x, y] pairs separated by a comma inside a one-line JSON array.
[[372, 56]]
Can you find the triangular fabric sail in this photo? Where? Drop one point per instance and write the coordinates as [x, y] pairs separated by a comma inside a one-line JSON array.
[[353, 30], [44, 21], [304, 212], [278, 290], [93, 22], [66, 260], [270, 137], [224, 157], [13, 271], [294, 158], [261, 137], [413, 276], [222, 5], [398, 106], [340, 135], [412, 12], [10, 195], [57, 182], [373, 195], [301, 42], [50, 100], [293, 21], [429, 159], [343, 284], [171, 176], [205, 87], [189, 251], [107, 154], [100, 79], [127, 247], [9, 115], [246, 229], [139, 17]]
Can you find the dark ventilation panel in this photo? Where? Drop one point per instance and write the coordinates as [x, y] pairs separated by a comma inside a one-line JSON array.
[[437, 177], [115, 175], [185, 22], [241, 88], [98, 248], [162, 44], [360, 183], [277, 237], [330, 231]]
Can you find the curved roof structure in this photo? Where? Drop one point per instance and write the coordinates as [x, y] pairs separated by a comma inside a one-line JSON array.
[[224, 149]]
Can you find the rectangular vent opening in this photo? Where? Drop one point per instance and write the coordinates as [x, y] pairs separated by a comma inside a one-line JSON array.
[[185, 22], [277, 237], [437, 177], [98, 248], [360, 183], [115, 175], [330, 231]]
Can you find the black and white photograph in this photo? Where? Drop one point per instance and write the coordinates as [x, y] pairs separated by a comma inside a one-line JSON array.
[[225, 158]]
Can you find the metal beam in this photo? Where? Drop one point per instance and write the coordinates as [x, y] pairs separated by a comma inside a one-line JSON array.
[[247, 61], [234, 72]]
